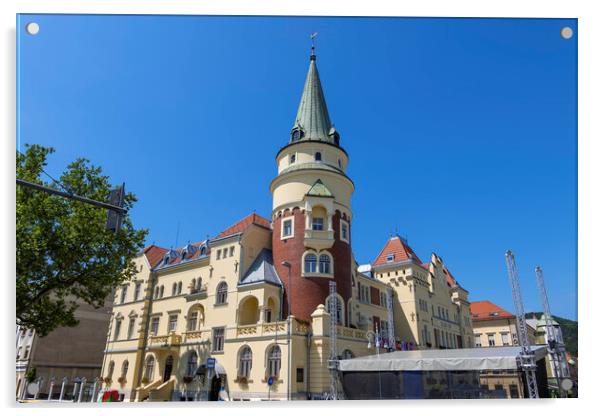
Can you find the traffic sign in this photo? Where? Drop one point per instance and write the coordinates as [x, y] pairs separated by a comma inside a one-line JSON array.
[[210, 363], [270, 381]]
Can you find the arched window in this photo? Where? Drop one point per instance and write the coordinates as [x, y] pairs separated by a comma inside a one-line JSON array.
[[310, 263], [149, 369], [222, 293], [124, 368], [161, 291], [203, 250], [274, 357], [318, 156], [292, 158], [191, 364], [325, 264], [245, 363], [174, 289], [111, 369], [179, 287], [193, 286], [156, 292]]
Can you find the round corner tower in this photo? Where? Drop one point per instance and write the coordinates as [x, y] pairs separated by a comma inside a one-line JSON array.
[[311, 210]]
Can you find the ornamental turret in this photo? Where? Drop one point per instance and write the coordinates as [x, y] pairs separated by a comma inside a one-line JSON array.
[[311, 209]]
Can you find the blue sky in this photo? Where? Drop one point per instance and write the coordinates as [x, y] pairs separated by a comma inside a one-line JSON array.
[[462, 133]]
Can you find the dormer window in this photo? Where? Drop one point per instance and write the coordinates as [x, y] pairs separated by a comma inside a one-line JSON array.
[[296, 134], [318, 156], [390, 258]]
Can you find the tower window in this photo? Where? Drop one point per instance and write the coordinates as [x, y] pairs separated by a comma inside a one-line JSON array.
[[287, 228], [325, 264], [310, 263], [318, 156], [292, 159], [340, 163], [317, 224]]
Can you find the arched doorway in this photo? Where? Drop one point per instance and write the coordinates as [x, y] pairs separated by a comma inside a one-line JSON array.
[[168, 368]]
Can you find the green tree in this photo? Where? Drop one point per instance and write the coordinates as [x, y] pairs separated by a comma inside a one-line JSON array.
[[64, 251]]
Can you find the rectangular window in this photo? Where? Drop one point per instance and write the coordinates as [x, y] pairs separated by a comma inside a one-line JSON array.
[[173, 323], [218, 339], [131, 327], [231, 251], [26, 354], [505, 339], [477, 341], [514, 391], [155, 325], [124, 293], [491, 339], [137, 290], [192, 321], [383, 299], [287, 228], [300, 375], [117, 329], [219, 254], [344, 231], [317, 224]]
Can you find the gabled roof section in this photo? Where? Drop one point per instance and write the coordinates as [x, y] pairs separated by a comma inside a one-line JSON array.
[[312, 115], [451, 281], [184, 254], [245, 223], [486, 311], [262, 270], [319, 189], [396, 250], [154, 254]]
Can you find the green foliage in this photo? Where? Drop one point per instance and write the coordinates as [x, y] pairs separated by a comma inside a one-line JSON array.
[[30, 374], [569, 331], [64, 252]]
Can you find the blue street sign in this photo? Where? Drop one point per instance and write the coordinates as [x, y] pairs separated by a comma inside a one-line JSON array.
[[210, 363], [270, 381]]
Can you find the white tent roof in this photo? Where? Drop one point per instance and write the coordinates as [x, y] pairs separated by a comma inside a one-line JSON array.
[[464, 359]]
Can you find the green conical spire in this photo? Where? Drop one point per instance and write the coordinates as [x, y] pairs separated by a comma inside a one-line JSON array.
[[312, 121]]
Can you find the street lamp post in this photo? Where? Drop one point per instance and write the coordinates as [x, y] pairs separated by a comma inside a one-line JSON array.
[[288, 298]]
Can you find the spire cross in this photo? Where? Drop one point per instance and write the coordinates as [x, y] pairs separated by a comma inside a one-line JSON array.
[[313, 37]]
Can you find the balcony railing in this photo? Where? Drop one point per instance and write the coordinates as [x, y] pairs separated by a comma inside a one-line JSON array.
[[166, 340], [197, 293], [270, 328]]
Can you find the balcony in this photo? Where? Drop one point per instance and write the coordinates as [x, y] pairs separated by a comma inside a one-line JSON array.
[[196, 293], [319, 239], [165, 340], [270, 328]]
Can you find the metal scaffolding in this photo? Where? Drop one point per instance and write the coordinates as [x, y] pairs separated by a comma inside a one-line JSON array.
[[526, 358], [555, 348]]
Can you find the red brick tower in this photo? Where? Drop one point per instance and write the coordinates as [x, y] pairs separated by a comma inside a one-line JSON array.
[[312, 208]]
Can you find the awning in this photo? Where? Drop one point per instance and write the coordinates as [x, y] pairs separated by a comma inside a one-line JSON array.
[[462, 359]]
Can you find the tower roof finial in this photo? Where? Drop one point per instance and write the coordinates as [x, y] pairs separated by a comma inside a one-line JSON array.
[[313, 37]]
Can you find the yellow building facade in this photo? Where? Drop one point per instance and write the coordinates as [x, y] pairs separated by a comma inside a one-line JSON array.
[[246, 315]]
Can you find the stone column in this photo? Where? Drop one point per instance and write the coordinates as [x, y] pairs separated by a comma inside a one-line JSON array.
[[65, 381], [330, 215]]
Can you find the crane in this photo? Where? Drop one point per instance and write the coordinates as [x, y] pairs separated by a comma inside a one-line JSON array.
[[527, 357], [555, 348]]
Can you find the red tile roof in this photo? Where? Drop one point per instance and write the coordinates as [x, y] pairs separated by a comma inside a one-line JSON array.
[[154, 254], [399, 248], [485, 310], [243, 224]]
